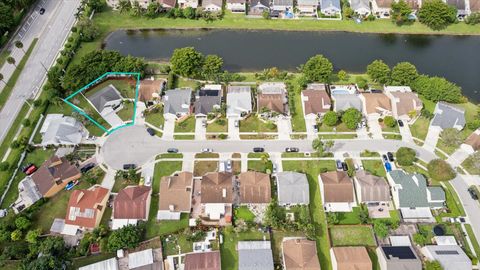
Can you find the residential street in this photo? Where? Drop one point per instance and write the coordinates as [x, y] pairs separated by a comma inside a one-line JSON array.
[[472, 207], [51, 28]]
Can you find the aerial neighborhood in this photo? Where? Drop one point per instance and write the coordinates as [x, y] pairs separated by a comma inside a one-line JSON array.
[[176, 154]]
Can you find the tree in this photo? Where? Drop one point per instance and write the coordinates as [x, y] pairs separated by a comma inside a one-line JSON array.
[[274, 215], [32, 236], [433, 265], [451, 136], [437, 89], [318, 146], [436, 14], [389, 121], [153, 9], [405, 156], [266, 15], [89, 31], [16, 235], [440, 170], [6, 17], [342, 75], [474, 160], [361, 82], [332, 218], [351, 117], [11, 61], [126, 237], [96, 4], [186, 61], [19, 45], [330, 118], [379, 71], [189, 13], [136, 10], [22, 223], [404, 73], [318, 68], [53, 255], [380, 228], [212, 66], [400, 12], [124, 6]]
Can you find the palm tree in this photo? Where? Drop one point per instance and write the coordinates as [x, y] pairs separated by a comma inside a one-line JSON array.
[[11, 61], [318, 145], [19, 45]]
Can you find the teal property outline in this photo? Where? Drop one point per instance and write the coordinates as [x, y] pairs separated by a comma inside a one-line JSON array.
[[82, 112]]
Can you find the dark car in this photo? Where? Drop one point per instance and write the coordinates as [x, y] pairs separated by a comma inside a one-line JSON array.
[[87, 167], [151, 131], [390, 156], [339, 164], [344, 166], [385, 158], [172, 150], [258, 150], [25, 168], [473, 194], [31, 170], [42, 10], [129, 166], [400, 123], [291, 149]]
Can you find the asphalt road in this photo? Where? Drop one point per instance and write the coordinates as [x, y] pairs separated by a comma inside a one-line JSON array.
[[471, 206], [133, 145], [51, 28]]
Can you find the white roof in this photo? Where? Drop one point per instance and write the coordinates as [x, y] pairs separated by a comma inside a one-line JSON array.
[[215, 210], [242, 245], [213, 86], [141, 258], [447, 240], [168, 215], [416, 213], [400, 241], [110, 264], [69, 229], [402, 89], [119, 223], [450, 257]]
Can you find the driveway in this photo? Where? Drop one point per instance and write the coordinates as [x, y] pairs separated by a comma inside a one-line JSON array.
[[458, 157], [200, 129], [431, 139], [168, 128], [374, 128], [233, 131], [112, 118], [309, 123], [284, 128], [405, 132]]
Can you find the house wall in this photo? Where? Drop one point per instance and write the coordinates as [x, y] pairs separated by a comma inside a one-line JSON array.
[[212, 8], [394, 190], [187, 3], [103, 203], [330, 11], [381, 259], [334, 260], [307, 9], [236, 7], [56, 188]]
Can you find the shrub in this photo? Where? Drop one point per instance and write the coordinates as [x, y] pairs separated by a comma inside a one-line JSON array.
[[440, 170], [351, 117], [389, 121], [405, 156], [330, 118], [4, 165]]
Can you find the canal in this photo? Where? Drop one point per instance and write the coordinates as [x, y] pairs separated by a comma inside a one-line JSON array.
[[456, 58]]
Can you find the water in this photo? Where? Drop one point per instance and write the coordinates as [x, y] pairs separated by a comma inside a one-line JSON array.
[[456, 58]]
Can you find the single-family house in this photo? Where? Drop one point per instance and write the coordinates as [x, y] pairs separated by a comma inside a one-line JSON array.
[[239, 101], [236, 6], [414, 4], [257, 7], [85, 209], [131, 204], [202, 261], [450, 257], [342, 102], [360, 7], [212, 5], [150, 90], [374, 192], [376, 105], [472, 143], [52, 176], [143, 3], [445, 240], [474, 6], [405, 104], [282, 5], [307, 7], [292, 188], [187, 3], [60, 129], [381, 8], [106, 100], [448, 116], [217, 196], [167, 4], [299, 254], [272, 97], [207, 100], [337, 190], [145, 259], [110, 264], [460, 6], [398, 257], [254, 188], [315, 101], [330, 8], [255, 255], [175, 196], [350, 258], [177, 103], [413, 197]]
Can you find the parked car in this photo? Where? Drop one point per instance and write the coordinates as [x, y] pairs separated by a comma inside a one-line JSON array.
[[172, 150], [42, 11], [258, 149], [315, 128], [344, 166], [87, 167], [151, 131], [237, 123], [390, 156], [71, 184], [31, 170], [473, 193], [25, 168], [229, 165], [274, 168], [339, 164], [291, 149], [400, 123], [207, 150], [388, 166], [129, 166], [385, 158]]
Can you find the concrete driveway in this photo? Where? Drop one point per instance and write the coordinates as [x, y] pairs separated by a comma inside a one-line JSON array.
[[458, 157], [284, 126], [374, 128], [405, 132], [431, 139], [200, 129], [233, 131], [309, 123], [168, 128]]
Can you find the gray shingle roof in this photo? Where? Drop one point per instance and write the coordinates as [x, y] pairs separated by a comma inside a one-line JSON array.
[[177, 101], [448, 116], [254, 255], [345, 101], [451, 257], [239, 99], [357, 4], [437, 193], [292, 188], [60, 129], [324, 4], [103, 96], [205, 104]]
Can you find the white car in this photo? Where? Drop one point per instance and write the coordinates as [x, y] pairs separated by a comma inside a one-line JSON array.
[[207, 150], [229, 165]]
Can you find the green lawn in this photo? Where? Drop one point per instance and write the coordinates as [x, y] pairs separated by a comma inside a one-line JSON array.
[[177, 244], [312, 169], [228, 250], [447, 148], [244, 213], [470, 166], [454, 205], [352, 236], [79, 262], [295, 101], [187, 125], [219, 125], [386, 128], [473, 239], [392, 136], [419, 129], [337, 136], [259, 166], [126, 113], [184, 137], [341, 127], [368, 153], [349, 218], [207, 155], [375, 167], [202, 167], [156, 119], [373, 257], [253, 124]]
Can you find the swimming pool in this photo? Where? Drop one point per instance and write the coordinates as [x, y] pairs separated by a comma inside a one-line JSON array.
[[340, 92], [343, 89]]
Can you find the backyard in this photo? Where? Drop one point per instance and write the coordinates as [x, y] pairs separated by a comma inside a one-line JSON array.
[[352, 236], [125, 86]]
